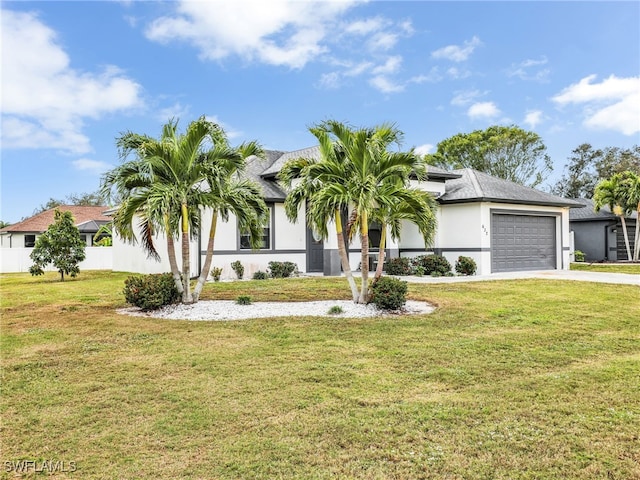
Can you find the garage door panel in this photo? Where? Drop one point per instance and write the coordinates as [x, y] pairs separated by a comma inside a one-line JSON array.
[[523, 242]]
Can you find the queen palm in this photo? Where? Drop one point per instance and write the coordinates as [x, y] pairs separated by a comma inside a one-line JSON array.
[[630, 186], [168, 183], [611, 192]]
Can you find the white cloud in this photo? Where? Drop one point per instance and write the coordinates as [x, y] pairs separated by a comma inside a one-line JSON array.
[[483, 110], [288, 33], [392, 65], [464, 98], [424, 149], [533, 118], [458, 74], [530, 70], [612, 104], [385, 84], [93, 166], [456, 53], [365, 27], [45, 102], [177, 111]]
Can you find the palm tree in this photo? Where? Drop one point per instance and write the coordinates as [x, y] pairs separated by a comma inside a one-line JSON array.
[[169, 182], [611, 192], [356, 171], [630, 185]]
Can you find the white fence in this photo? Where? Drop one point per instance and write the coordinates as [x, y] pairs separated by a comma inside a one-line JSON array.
[[13, 260]]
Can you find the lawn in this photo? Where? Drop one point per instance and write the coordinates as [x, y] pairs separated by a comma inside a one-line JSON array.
[[630, 268], [530, 379]]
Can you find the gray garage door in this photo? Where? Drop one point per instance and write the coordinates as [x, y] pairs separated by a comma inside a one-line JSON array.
[[522, 242]]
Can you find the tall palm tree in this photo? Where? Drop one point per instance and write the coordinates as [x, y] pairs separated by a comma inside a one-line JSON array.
[[630, 185], [169, 182], [356, 171], [611, 192]]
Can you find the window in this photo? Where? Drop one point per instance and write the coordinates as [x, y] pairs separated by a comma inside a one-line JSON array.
[[265, 243], [84, 239], [375, 235], [29, 241]]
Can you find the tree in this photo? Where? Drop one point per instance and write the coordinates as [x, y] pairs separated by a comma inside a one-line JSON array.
[[168, 183], [356, 172], [630, 186], [504, 152], [89, 199], [587, 166], [4, 224], [60, 245], [613, 193]]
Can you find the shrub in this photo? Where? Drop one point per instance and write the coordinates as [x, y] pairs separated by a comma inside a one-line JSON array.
[[215, 273], [578, 256], [260, 275], [419, 271], [433, 263], [149, 292], [243, 300], [466, 266], [335, 310], [282, 269], [389, 293], [238, 268], [398, 266]]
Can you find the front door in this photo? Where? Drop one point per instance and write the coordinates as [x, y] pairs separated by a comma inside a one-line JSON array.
[[315, 252]]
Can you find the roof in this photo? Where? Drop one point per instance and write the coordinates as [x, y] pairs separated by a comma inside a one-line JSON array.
[[255, 167], [475, 186], [587, 212], [41, 221]]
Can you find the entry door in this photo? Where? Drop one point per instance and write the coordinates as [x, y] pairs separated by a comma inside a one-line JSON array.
[[315, 252]]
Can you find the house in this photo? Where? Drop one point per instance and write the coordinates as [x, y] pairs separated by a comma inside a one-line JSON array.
[[599, 235], [17, 240], [501, 225]]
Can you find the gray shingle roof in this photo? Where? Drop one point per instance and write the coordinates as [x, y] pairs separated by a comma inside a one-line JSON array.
[[309, 152], [254, 169], [588, 212], [475, 186]]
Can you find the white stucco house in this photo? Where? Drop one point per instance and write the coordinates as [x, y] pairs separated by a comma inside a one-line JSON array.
[[501, 225]]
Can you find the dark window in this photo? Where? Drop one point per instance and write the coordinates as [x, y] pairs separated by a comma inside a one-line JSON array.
[[29, 241], [265, 244], [375, 234], [84, 239]]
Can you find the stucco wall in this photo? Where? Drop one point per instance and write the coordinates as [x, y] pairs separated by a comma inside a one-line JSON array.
[[590, 238], [14, 260]]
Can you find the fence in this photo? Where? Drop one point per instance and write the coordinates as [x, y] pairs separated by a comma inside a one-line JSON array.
[[13, 260]]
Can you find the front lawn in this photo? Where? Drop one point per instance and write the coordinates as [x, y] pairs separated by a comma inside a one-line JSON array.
[[508, 379], [630, 268]]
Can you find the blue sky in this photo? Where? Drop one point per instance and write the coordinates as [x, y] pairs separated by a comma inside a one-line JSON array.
[[76, 74]]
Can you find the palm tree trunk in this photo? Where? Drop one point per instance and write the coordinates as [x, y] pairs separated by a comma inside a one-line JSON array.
[[626, 237], [364, 263], [171, 251], [186, 271], [207, 261], [383, 242], [344, 257]]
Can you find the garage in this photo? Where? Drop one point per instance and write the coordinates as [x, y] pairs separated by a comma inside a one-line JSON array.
[[523, 242]]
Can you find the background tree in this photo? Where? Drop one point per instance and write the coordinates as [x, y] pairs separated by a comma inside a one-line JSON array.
[[587, 166], [504, 152], [4, 224], [60, 245], [87, 199]]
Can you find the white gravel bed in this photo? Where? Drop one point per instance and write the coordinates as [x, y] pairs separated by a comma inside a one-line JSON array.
[[229, 310]]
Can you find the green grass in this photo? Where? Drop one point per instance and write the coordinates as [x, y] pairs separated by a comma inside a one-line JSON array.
[[630, 268], [530, 379]]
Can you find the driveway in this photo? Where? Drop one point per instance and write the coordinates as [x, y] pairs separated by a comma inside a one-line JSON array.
[[619, 278]]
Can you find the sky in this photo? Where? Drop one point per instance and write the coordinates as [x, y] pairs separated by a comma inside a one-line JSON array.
[[75, 75]]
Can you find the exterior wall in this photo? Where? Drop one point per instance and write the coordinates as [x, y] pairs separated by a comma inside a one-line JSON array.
[[15, 240], [16, 260], [429, 186], [591, 239]]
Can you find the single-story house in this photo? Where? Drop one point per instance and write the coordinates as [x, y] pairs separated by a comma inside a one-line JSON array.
[[501, 225], [23, 234], [599, 235]]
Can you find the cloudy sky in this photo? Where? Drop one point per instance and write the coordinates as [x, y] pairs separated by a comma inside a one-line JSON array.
[[76, 74]]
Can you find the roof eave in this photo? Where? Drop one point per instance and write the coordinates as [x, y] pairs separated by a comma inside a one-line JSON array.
[[506, 200]]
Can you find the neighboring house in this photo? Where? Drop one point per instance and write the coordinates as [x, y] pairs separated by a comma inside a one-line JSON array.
[[17, 240], [501, 225], [599, 235]]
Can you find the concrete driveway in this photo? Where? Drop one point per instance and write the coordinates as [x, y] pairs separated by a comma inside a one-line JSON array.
[[619, 278]]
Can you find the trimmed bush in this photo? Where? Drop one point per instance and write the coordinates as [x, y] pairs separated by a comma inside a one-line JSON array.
[[243, 300], [150, 292], [282, 269], [238, 268], [433, 264], [398, 266], [466, 266], [215, 273], [260, 275], [578, 256], [335, 310], [389, 293]]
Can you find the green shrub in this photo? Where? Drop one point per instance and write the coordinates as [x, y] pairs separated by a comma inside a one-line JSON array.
[[260, 275], [215, 273], [389, 293], [419, 271], [149, 292], [238, 268], [243, 300], [466, 266], [433, 263], [335, 310], [578, 256], [282, 269], [398, 266]]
